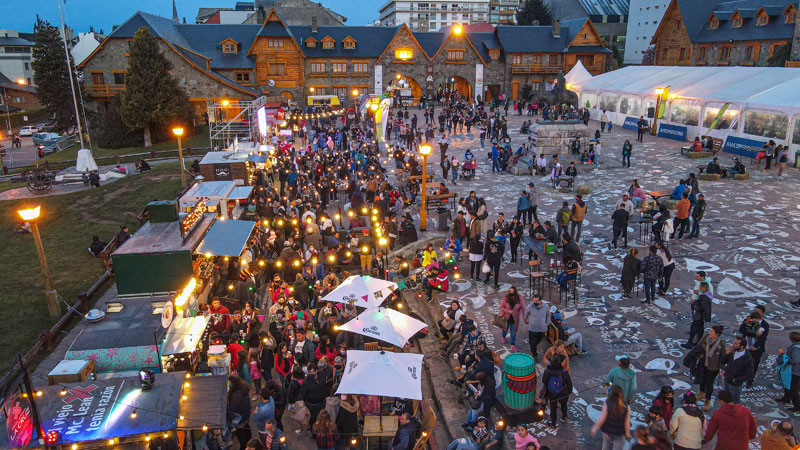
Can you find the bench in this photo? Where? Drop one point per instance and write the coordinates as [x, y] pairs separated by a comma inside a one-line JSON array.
[[709, 177], [584, 189], [520, 169], [552, 334], [741, 176], [697, 155], [566, 183], [437, 201], [717, 145]]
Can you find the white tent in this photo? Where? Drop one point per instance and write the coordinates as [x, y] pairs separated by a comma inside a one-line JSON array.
[[382, 373], [763, 102], [85, 161], [578, 74], [361, 290], [385, 324]]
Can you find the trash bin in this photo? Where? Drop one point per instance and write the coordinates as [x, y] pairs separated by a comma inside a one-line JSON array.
[[519, 380], [797, 159], [444, 219]]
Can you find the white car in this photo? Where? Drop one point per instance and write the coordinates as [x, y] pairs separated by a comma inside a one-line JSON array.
[[28, 130]]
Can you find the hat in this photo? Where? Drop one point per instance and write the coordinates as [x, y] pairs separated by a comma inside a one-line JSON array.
[[553, 309], [557, 316], [621, 357], [365, 231], [338, 359], [735, 159]]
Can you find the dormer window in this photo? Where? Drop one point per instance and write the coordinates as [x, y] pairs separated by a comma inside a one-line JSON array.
[[349, 43], [713, 24], [791, 16], [311, 42], [736, 20], [763, 19], [229, 46], [494, 54], [328, 43]]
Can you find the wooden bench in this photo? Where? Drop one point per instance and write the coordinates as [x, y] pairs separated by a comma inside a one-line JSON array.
[[436, 201], [717, 145], [709, 177], [741, 176], [552, 335], [698, 155]]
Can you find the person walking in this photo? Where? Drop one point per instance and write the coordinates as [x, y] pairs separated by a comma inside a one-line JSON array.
[[537, 317], [577, 215], [619, 225], [557, 385], [533, 198], [701, 313], [653, 269], [523, 205], [622, 377], [627, 149], [510, 308], [698, 211], [669, 266], [792, 353], [614, 421], [713, 349], [475, 257], [681, 222], [631, 267], [686, 424], [515, 231], [733, 424], [603, 121], [738, 368], [493, 254]]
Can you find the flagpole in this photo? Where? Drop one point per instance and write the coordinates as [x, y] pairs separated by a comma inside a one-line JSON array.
[[69, 69]]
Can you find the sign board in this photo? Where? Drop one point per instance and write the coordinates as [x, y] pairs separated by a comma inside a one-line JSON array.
[[669, 131], [261, 117], [222, 172], [378, 79], [478, 81], [19, 421], [631, 123], [742, 146]]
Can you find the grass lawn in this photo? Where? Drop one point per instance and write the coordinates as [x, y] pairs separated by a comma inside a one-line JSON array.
[[198, 140], [67, 225]]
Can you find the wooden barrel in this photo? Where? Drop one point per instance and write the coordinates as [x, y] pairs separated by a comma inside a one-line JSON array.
[[519, 380]]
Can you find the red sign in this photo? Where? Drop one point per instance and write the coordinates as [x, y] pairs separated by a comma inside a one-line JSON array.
[[281, 114], [19, 421]]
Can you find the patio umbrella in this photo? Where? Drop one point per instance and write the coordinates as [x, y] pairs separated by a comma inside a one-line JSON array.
[[385, 324], [361, 290], [382, 373], [85, 161]]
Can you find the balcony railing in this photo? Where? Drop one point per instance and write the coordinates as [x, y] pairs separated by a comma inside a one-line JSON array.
[[104, 90], [535, 68]]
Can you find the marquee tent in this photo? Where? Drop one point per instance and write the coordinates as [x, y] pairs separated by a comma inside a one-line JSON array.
[[763, 103], [578, 74]]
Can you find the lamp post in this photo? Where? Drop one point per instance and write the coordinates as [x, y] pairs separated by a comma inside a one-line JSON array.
[[178, 132], [31, 215], [355, 103], [383, 243], [424, 150]]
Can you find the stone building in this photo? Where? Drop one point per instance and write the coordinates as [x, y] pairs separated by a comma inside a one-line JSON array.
[[609, 17], [724, 33], [273, 59]]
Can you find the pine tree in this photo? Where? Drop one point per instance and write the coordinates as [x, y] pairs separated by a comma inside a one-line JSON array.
[[649, 56], [51, 75], [534, 10], [152, 96]]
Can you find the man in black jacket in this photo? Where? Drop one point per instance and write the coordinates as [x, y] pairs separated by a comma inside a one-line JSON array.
[[701, 313], [755, 330], [738, 367], [620, 224], [460, 229], [312, 394], [406, 435]]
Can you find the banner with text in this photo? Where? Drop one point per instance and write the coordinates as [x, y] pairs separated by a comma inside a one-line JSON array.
[[631, 123], [742, 146], [669, 131]]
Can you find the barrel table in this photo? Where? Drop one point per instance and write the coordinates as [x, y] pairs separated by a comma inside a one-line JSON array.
[[519, 380]]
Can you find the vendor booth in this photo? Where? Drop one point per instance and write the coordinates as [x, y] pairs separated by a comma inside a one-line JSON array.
[[182, 343], [227, 166], [744, 106], [223, 197]]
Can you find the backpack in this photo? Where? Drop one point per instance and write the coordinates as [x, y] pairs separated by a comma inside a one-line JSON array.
[[565, 215], [555, 384]]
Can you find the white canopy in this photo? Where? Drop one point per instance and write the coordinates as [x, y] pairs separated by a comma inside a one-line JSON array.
[[578, 74], [361, 290], [85, 162], [385, 324], [382, 373], [184, 335]]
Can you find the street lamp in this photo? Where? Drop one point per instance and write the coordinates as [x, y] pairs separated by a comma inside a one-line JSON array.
[[178, 132], [31, 215], [458, 29], [383, 243], [424, 150]]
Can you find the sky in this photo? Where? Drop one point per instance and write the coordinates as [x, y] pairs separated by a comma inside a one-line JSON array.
[[103, 14]]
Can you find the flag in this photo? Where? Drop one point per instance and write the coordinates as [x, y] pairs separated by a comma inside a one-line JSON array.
[[719, 116], [663, 103]]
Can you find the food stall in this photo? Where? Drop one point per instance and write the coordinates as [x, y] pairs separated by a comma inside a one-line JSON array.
[[224, 197], [227, 166], [182, 344]]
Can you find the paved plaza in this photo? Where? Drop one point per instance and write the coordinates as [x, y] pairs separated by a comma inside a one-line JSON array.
[[748, 246]]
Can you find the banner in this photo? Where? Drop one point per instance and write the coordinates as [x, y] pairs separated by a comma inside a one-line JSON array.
[[742, 146], [719, 116], [663, 103], [378, 79], [478, 81], [669, 131], [631, 123]]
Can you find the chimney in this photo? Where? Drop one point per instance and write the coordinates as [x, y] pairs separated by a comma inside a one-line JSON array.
[[557, 27], [535, 23], [313, 24]]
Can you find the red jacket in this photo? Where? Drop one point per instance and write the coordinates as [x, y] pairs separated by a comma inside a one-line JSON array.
[[735, 426]]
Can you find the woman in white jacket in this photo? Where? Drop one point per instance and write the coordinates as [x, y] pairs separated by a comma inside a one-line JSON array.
[[688, 424]]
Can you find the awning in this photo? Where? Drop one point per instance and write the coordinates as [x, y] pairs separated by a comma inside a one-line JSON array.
[[183, 335], [95, 410], [257, 158], [205, 403], [240, 193], [226, 238]]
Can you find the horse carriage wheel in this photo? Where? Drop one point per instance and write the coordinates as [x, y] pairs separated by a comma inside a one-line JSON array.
[[39, 182]]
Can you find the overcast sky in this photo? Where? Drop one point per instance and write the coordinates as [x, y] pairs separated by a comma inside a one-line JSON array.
[[103, 14]]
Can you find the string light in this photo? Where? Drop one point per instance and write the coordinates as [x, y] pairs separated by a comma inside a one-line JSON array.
[[133, 414], [188, 223]]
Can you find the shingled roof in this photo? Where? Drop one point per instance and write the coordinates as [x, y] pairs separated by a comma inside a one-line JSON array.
[[696, 15], [370, 41]]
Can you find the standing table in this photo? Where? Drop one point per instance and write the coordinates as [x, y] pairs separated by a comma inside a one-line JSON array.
[[372, 428]]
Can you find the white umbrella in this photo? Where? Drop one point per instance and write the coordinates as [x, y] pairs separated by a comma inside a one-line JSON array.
[[384, 374], [361, 290], [85, 161], [385, 324]]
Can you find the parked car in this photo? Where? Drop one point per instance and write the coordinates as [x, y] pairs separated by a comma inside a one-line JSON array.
[[46, 139], [28, 130]]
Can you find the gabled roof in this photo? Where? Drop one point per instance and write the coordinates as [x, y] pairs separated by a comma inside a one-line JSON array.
[[696, 14], [205, 39], [371, 41], [160, 27], [484, 42], [430, 41], [8, 84], [518, 39]]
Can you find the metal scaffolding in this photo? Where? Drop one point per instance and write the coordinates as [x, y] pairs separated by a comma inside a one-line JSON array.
[[232, 119]]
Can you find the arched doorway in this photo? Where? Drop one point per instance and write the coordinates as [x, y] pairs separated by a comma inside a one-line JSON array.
[[286, 95], [460, 85], [416, 90]]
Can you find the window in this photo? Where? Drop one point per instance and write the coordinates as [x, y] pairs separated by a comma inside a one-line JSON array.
[[713, 24], [349, 43], [768, 124], [244, 77], [702, 53], [724, 53], [97, 78], [751, 53], [725, 122], [360, 68], [665, 53], [27, 66], [677, 24], [339, 67], [317, 67], [311, 42], [494, 54], [277, 69], [684, 114], [275, 43], [796, 133], [328, 43], [630, 105], [516, 59], [586, 60], [763, 19], [736, 23], [323, 90], [608, 102], [403, 54], [341, 92], [537, 59], [455, 55], [228, 47], [791, 16], [119, 77], [535, 86], [682, 54]]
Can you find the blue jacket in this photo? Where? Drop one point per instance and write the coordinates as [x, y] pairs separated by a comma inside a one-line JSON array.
[[523, 204], [495, 152], [456, 244], [625, 379], [677, 194], [264, 411]]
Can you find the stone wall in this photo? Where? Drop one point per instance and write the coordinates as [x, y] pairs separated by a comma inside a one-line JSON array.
[[796, 41], [555, 138], [738, 53]]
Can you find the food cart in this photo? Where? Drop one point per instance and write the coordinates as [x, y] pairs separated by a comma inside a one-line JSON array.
[[227, 166], [183, 343], [223, 197]]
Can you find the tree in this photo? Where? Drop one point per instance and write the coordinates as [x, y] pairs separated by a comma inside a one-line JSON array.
[[525, 92], [51, 75], [110, 131], [779, 56], [534, 10], [649, 56], [152, 96]]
